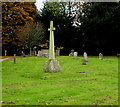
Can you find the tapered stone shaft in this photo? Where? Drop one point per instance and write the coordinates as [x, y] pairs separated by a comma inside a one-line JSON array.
[[51, 43]]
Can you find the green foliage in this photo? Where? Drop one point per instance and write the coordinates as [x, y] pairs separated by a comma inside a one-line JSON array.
[[58, 12], [25, 83], [91, 25], [99, 26]]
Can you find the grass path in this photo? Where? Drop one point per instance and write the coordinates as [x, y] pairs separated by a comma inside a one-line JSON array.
[[25, 83], [3, 59]]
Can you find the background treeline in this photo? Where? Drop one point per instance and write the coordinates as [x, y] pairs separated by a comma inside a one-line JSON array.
[[90, 27]]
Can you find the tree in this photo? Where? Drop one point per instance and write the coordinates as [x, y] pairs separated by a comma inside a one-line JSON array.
[[84, 26], [99, 27], [14, 16], [63, 18], [31, 34]]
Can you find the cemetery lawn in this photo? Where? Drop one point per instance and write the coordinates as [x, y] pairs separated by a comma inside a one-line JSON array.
[[25, 83]]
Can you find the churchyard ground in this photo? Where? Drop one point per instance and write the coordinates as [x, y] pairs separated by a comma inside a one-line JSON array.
[[25, 83]]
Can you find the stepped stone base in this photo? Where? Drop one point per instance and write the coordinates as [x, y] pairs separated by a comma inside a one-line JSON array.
[[52, 65]]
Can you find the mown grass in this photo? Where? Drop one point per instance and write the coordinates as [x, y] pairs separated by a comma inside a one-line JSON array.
[[25, 83]]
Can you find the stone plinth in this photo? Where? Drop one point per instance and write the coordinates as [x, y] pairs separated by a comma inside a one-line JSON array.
[[52, 65]]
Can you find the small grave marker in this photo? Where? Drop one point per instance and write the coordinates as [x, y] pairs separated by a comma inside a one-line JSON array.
[[85, 56], [14, 58], [83, 62], [58, 52], [100, 56], [75, 55], [5, 52], [39, 53]]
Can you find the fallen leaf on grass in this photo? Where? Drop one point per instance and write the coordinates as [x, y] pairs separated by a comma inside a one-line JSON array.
[[81, 72], [60, 99], [5, 102], [65, 101]]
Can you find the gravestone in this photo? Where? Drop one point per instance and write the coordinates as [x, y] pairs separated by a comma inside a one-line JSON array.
[[52, 65], [83, 62], [23, 54], [14, 58], [75, 55], [58, 52], [72, 53], [5, 52], [39, 53], [43, 52], [100, 56], [85, 56]]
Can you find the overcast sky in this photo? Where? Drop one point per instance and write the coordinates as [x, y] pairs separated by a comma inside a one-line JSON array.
[[39, 4]]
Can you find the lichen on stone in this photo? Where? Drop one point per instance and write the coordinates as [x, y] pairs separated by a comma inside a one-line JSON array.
[[52, 65]]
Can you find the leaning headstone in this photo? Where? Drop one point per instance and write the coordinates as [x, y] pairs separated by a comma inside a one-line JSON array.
[[52, 65], [23, 54], [85, 56], [83, 62], [5, 52], [72, 53], [14, 58], [75, 55], [100, 56]]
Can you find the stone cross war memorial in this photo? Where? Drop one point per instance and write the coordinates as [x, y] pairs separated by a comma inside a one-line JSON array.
[[52, 65]]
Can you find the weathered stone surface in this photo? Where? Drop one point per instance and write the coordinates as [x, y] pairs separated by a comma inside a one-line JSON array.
[[75, 55], [85, 56], [57, 52], [52, 65], [72, 52], [84, 62], [5, 52], [39, 53], [100, 56], [43, 52]]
